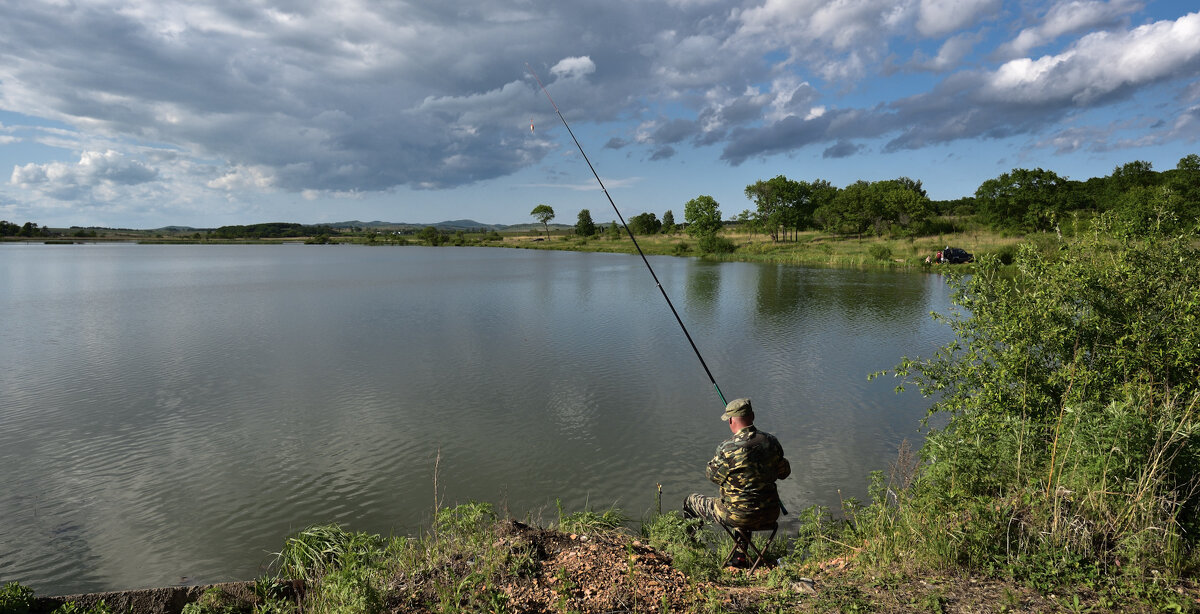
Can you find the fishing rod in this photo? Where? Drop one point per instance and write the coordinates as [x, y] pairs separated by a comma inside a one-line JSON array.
[[634, 239]]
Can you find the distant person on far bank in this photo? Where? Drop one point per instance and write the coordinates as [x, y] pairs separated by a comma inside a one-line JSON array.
[[745, 469]]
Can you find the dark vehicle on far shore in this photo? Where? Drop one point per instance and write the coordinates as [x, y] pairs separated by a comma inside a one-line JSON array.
[[956, 255]]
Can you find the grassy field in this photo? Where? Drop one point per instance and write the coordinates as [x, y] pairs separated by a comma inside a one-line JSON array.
[[811, 248]]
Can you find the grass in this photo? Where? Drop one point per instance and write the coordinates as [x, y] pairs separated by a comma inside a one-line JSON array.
[[462, 562], [809, 248]]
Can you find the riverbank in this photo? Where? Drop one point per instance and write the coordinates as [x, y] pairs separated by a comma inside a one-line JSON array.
[[471, 561]]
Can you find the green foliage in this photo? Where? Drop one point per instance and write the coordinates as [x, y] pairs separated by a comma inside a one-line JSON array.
[[584, 226], [313, 552], [271, 230], [715, 244], [703, 216], [668, 222], [72, 607], [430, 235], [1073, 441], [464, 521], [588, 521], [681, 249], [896, 205], [215, 601], [782, 204], [1023, 198], [681, 538], [15, 599], [645, 224], [543, 213], [880, 251]]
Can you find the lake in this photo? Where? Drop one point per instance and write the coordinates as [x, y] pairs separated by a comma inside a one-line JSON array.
[[171, 413]]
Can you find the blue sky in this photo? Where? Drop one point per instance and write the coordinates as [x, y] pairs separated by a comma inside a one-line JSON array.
[[144, 113]]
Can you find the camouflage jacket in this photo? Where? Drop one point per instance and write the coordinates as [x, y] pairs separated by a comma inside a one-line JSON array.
[[746, 467]]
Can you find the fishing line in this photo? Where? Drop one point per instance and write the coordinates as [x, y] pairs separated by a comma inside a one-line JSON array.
[[634, 239]]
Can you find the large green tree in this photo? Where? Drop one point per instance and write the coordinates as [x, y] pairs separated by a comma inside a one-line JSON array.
[[584, 226], [703, 216], [543, 213], [1028, 199], [668, 222], [645, 224]]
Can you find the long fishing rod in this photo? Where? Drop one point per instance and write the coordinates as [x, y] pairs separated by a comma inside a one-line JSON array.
[[635, 243]]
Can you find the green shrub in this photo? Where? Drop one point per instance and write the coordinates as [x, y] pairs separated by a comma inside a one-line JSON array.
[[588, 521], [1006, 254], [1073, 441], [880, 251], [716, 244], [15, 599]]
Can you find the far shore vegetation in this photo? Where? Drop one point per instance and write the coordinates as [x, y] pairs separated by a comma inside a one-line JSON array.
[[882, 224], [1065, 475]]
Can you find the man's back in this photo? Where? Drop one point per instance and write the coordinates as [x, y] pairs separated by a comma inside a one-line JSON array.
[[746, 467]]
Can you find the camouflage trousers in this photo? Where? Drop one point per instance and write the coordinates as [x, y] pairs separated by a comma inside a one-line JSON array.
[[704, 508]]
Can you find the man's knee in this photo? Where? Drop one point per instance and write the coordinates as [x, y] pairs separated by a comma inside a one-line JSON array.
[[700, 506]]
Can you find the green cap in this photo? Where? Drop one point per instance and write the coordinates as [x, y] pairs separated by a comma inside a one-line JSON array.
[[737, 407]]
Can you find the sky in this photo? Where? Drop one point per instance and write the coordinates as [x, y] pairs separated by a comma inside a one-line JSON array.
[[148, 113]]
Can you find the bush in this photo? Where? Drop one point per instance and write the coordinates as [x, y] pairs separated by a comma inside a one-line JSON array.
[[1072, 393], [1006, 254], [880, 251], [681, 249], [714, 244], [16, 599]]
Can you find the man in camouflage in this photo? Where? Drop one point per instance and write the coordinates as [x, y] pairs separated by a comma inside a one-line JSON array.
[[745, 468]]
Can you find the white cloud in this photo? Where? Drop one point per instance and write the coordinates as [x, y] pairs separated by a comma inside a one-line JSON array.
[[1069, 17], [94, 169], [941, 17], [573, 68], [1101, 64], [238, 178], [950, 54]]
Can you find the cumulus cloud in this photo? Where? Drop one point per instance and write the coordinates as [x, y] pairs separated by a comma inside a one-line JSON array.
[[1019, 97], [1100, 65], [940, 17], [1070, 17], [950, 54], [95, 171], [573, 68]]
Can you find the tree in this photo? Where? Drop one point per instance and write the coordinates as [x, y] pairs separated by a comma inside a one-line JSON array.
[[543, 213], [430, 236], [784, 204], [1022, 198], [585, 227], [703, 216], [668, 222], [614, 231], [645, 224]]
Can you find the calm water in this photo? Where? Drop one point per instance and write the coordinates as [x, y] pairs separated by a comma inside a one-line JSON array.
[[168, 414]]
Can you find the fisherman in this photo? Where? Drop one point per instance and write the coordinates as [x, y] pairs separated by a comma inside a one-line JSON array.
[[745, 468]]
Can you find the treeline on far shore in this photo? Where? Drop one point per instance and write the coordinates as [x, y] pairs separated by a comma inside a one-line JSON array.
[[1020, 201]]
